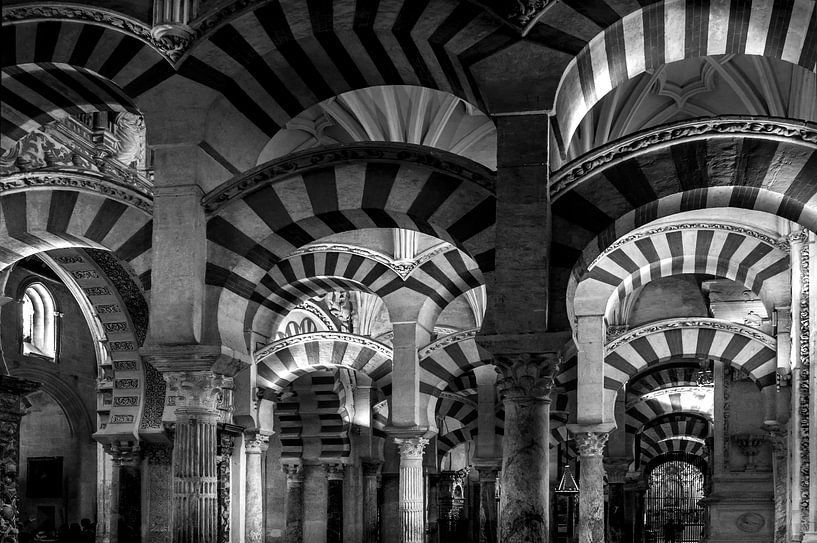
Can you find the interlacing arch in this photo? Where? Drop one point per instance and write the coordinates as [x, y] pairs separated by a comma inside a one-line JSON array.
[[740, 346], [260, 218], [673, 30]]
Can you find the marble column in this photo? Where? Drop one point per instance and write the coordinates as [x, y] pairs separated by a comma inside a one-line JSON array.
[[524, 385], [294, 503], [255, 445], [410, 502], [591, 486], [12, 408], [195, 481], [126, 509], [370, 514], [316, 503], [487, 503]]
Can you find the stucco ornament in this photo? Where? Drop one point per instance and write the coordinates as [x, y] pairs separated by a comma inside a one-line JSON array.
[[130, 130], [750, 522], [526, 375]]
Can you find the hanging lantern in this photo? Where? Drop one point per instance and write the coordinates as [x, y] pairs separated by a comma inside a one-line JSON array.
[[567, 484]]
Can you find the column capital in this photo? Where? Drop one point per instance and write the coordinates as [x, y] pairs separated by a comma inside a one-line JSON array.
[[411, 447], [256, 442], [488, 468], [591, 438], [371, 469], [196, 390], [226, 444], [616, 469], [294, 473], [526, 375], [124, 453], [13, 391], [335, 471]]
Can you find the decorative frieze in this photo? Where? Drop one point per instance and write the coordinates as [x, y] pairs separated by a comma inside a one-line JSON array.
[[445, 341], [727, 126], [381, 152], [685, 323], [804, 407], [343, 337], [199, 390], [224, 453], [526, 375]]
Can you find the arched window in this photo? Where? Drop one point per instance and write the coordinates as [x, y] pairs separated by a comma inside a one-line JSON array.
[[39, 322]]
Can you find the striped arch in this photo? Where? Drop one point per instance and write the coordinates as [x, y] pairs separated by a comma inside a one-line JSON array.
[[689, 446], [591, 218], [672, 401], [314, 420], [674, 374], [282, 362], [675, 425], [695, 338], [57, 64], [321, 51], [32, 221], [260, 218], [673, 30], [743, 255], [448, 358]]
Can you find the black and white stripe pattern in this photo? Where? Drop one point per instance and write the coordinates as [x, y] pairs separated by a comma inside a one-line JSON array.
[[641, 413], [675, 374], [628, 196], [673, 30], [323, 351], [253, 233], [674, 445], [727, 252], [39, 220], [320, 431], [735, 345], [445, 365]]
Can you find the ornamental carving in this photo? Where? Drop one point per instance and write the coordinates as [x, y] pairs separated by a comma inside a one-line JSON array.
[[126, 401], [117, 346], [116, 327], [402, 268], [85, 274], [445, 341], [328, 335], [591, 443], [121, 419], [124, 453], [124, 365], [196, 389], [378, 152], [158, 455], [108, 308], [255, 443], [411, 447], [126, 383], [294, 473], [526, 12], [598, 160], [84, 180], [371, 469], [674, 324], [335, 471], [526, 375], [805, 387], [226, 444], [97, 291]]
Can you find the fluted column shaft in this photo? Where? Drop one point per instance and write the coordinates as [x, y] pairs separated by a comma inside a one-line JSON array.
[[591, 486], [255, 445], [524, 385], [370, 525], [294, 504], [410, 503], [195, 478]]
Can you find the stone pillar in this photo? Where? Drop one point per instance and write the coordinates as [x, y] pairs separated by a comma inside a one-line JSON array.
[[370, 513], [294, 503], [126, 514], [617, 527], [226, 445], [487, 503], [524, 385], [195, 501], [12, 409], [591, 485], [410, 502], [316, 503], [334, 508], [159, 491], [255, 445]]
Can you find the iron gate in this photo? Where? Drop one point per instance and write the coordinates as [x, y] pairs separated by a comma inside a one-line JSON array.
[[672, 513]]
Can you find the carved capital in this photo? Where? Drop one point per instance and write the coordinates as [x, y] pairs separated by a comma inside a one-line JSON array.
[[334, 471], [255, 443], [527, 375], [226, 444], [412, 447], [196, 390], [294, 473], [124, 453], [372, 469], [616, 469], [591, 443]]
